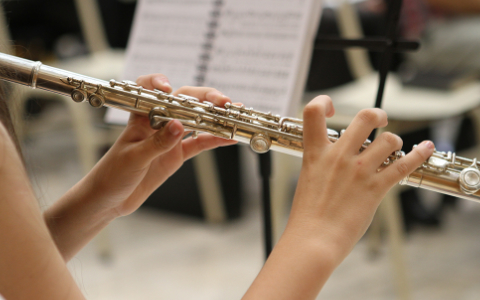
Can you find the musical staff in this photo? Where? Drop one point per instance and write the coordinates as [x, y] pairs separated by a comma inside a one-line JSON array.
[[256, 57], [251, 50]]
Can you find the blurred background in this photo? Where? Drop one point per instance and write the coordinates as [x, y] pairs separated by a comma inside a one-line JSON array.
[[170, 248]]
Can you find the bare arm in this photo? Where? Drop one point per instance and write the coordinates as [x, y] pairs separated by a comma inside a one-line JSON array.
[[137, 164], [338, 192], [30, 265]]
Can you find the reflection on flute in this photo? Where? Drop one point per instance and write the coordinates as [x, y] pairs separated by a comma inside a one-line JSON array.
[[442, 172]]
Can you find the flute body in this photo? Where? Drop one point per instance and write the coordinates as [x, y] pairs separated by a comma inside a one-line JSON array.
[[442, 172]]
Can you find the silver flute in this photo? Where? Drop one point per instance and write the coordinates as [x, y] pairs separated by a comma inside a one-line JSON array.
[[442, 172]]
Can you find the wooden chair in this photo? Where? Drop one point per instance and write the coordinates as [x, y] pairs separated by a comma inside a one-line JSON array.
[[106, 63]]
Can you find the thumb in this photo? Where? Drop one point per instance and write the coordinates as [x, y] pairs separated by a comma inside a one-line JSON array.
[[161, 141]]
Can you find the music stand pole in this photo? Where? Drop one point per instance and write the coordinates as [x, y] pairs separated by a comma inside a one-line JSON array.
[[388, 45]]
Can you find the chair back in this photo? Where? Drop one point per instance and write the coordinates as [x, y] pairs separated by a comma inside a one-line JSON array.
[[350, 27], [92, 26], [5, 45]]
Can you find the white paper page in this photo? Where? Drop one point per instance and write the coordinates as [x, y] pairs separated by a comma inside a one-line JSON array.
[[166, 37], [258, 50], [254, 51]]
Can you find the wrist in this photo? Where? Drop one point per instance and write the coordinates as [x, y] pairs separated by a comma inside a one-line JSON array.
[[90, 196], [297, 268], [82, 203], [76, 218], [336, 242]]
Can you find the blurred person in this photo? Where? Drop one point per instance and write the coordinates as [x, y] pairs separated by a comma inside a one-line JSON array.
[[449, 43], [448, 34], [446, 30], [338, 192]]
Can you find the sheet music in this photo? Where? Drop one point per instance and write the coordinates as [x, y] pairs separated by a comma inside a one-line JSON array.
[[254, 51], [167, 37], [257, 52]]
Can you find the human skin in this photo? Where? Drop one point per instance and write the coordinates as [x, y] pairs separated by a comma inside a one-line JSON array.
[[136, 165], [31, 267], [338, 192], [34, 249]]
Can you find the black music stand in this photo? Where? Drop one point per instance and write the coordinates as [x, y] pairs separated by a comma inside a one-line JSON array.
[[388, 45]]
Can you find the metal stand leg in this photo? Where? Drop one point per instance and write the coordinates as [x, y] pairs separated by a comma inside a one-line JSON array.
[[391, 213], [283, 167], [85, 134], [210, 189], [373, 237]]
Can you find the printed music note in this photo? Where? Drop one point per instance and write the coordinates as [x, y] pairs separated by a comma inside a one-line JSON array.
[[254, 51]]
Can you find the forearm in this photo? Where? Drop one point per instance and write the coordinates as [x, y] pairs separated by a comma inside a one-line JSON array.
[[76, 218], [31, 266], [297, 268]]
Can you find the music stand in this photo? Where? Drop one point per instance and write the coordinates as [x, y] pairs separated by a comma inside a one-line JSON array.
[[388, 45]]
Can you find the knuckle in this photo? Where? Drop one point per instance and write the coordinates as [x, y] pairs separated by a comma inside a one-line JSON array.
[[402, 168], [320, 104], [159, 141], [392, 139], [326, 100], [420, 155], [313, 109], [340, 162], [141, 79], [184, 89], [368, 116], [211, 94], [211, 90], [160, 76]]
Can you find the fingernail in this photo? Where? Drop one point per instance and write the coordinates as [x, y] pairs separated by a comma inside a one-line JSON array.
[[166, 85], [174, 130], [428, 144], [163, 83]]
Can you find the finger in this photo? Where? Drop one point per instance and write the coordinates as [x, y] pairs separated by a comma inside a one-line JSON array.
[[406, 165], [361, 127], [205, 94], [155, 81], [381, 148], [314, 123], [192, 147], [161, 142], [138, 128], [139, 120]]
